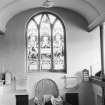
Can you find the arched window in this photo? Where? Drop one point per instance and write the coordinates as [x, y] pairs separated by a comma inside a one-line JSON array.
[[45, 36]]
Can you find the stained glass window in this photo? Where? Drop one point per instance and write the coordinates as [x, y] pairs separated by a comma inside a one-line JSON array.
[[45, 43]]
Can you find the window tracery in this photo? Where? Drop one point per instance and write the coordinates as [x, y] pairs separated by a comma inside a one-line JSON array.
[[45, 43]]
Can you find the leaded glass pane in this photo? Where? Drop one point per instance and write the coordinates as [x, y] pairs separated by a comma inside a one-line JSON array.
[[45, 43], [32, 46], [32, 28], [58, 46], [58, 28], [38, 18], [52, 18]]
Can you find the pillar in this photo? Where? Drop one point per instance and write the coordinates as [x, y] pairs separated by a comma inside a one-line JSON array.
[[102, 46]]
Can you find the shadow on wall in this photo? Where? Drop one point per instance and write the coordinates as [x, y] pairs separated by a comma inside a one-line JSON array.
[[31, 101], [74, 17], [86, 93], [87, 96], [85, 90]]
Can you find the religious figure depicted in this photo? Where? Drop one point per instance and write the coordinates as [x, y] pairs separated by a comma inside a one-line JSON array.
[[32, 47], [45, 42], [58, 45]]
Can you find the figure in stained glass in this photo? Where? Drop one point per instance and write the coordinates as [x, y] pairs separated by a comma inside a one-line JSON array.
[[45, 42], [32, 47], [58, 45], [58, 51]]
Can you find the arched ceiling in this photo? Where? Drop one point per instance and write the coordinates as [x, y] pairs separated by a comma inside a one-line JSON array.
[[92, 10]]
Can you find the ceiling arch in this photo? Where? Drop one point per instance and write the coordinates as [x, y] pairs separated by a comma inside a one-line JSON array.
[[89, 9]]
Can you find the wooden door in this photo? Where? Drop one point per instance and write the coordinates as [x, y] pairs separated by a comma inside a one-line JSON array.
[[21, 99]]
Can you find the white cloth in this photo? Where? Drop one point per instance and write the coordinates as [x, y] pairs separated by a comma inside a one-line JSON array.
[[46, 98], [57, 101]]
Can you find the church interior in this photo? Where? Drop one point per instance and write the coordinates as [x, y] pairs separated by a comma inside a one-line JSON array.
[[52, 52]]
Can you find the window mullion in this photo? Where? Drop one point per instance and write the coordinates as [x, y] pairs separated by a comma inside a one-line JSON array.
[[39, 47], [52, 61], [39, 43], [51, 27]]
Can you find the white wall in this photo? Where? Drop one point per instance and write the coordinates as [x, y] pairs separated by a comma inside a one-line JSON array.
[[82, 50]]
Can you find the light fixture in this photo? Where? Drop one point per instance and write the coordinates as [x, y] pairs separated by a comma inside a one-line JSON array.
[[48, 4]]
